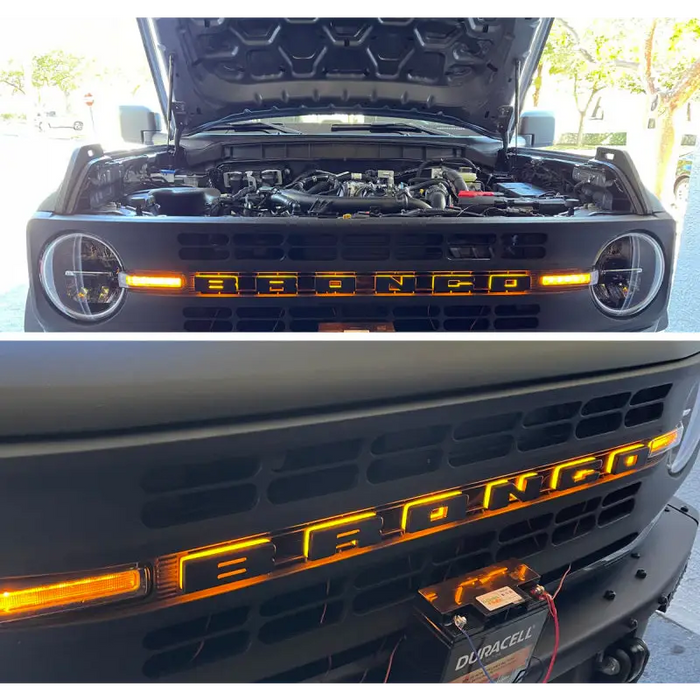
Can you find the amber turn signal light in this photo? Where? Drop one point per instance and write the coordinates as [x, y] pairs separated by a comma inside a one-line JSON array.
[[151, 281], [58, 596]]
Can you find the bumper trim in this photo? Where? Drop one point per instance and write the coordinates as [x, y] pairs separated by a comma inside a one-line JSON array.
[[589, 622]]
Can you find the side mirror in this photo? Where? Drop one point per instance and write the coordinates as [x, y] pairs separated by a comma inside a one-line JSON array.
[[138, 124], [537, 128]]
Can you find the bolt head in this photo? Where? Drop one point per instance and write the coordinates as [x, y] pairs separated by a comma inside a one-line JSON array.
[[641, 573], [609, 595], [636, 555]]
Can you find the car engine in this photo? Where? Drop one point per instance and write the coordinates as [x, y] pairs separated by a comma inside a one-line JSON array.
[[454, 187]]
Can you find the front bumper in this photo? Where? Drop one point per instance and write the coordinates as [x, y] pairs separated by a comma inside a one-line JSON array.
[[642, 582]]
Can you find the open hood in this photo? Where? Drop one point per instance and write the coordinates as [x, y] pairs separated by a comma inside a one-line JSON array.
[[456, 71]]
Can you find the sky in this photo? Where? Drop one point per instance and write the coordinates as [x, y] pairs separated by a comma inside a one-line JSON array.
[[104, 39], [113, 43]]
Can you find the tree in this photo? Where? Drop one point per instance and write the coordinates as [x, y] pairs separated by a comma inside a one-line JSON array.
[[14, 77], [589, 74], [57, 69], [661, 58], [671, 77]]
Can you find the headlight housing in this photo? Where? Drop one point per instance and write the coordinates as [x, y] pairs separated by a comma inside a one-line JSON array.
[[80, 275], [630, 273], [680, 456]]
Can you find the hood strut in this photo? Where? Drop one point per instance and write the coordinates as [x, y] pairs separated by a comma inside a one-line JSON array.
[[508, 121], [169, 114], [176, 115]]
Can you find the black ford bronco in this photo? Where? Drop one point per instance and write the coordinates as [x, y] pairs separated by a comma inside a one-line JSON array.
[[440, 511], [347, 175]]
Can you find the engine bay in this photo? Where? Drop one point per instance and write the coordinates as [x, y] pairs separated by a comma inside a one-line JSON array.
[[148, 185]]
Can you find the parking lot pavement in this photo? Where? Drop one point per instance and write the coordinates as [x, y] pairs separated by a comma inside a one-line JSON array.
[[674, 653]]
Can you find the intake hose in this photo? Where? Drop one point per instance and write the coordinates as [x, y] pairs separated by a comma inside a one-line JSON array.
[[455, 179], [292, 199], [437, 196]]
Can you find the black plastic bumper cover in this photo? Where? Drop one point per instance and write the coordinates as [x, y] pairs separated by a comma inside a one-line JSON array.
[[590, 620]]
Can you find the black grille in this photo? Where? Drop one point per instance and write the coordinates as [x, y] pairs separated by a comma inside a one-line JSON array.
[[361, 247], [414, 317], [305, 610], [190, 493]]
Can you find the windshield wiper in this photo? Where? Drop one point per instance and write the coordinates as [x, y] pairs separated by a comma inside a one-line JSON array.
[[388, 128], [225, 125]]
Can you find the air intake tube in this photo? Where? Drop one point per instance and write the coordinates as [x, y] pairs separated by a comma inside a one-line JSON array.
[[305, 202]]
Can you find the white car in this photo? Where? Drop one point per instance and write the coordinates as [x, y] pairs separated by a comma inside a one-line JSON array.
[[53, 120]]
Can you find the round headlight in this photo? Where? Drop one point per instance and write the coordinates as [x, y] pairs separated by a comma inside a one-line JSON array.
[[80, 275], [630, 273], [681, 455]]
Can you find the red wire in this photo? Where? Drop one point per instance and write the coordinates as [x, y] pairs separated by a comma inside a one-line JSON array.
[[561, 583], [555, 617], [391, 660]]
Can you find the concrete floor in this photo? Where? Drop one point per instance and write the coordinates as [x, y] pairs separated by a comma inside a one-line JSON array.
[[674, 653]]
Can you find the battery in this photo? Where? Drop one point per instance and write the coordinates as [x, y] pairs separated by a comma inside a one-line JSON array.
[[520, 189], [492, 617]]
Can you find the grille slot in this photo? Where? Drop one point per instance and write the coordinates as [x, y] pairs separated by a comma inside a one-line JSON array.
[[320, 455], [299, 623], [403, 466], [203, 246], [389, 584], [409, 439], [312, 485], [178, 477], [207, 319], [523, 246], [199, 505]]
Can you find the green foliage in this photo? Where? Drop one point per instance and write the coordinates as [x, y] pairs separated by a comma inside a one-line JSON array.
[[585, 56], [617, 138], [57, 69], [13, 77], [12, 117]]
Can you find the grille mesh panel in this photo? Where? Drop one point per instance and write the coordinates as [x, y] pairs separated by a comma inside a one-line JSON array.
[[372, 589], [428, 317], [364, 247], [190, 493]]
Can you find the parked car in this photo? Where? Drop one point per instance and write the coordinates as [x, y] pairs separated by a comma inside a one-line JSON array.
[[680, 187], [53, 120]]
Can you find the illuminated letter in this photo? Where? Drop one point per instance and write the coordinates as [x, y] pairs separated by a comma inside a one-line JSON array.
[[626, 459], [226, 564], [576, 473], [395, 284], [432, 511], [453, 284], [335, 284], [216, 284], [499, 494], [509, 283], [327, 539], [276, 284]]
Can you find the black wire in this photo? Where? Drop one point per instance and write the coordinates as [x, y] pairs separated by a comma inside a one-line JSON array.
[[519, 678]]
